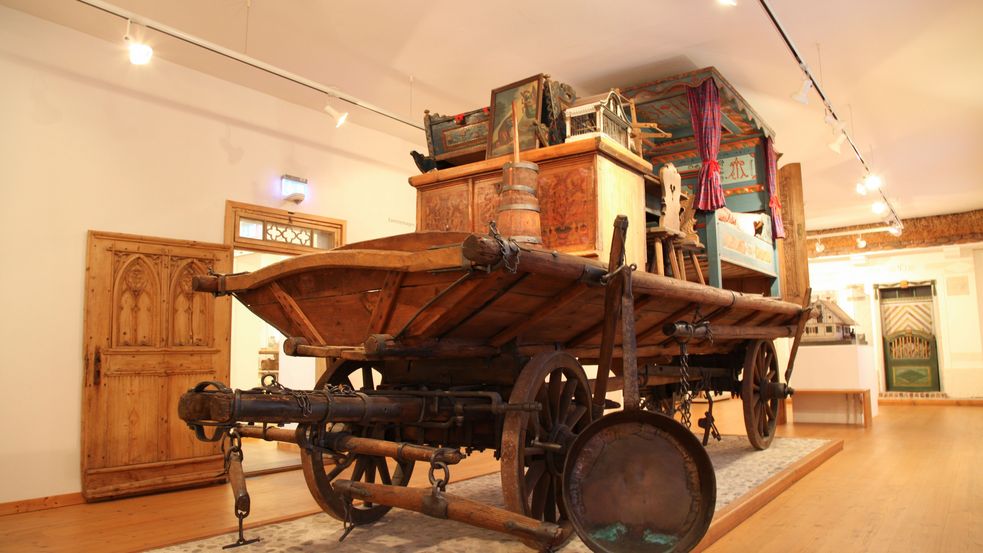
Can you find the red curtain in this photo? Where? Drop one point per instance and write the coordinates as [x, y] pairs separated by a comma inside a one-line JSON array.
[[704, 112], [771, 177]]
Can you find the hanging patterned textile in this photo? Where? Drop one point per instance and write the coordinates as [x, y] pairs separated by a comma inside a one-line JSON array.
[[771, 178], [704, 112]]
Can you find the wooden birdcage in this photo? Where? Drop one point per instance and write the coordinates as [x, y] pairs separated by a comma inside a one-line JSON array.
[[602, 114]]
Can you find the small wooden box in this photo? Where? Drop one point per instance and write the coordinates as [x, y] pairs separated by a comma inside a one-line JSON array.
[[583, 186]]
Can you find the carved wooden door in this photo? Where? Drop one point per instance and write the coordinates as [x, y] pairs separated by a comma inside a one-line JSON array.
[[148, 339]]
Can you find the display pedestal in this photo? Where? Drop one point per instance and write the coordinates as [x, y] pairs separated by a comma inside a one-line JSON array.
[[831, 378]]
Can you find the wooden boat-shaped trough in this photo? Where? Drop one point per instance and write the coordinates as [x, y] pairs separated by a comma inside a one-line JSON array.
[[442, 343]]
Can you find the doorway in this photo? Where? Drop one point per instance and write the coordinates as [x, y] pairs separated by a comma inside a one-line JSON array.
[[261, 237], [911, 357]]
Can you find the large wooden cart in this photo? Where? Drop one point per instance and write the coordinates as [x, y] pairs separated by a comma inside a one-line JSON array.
[[439, 342]]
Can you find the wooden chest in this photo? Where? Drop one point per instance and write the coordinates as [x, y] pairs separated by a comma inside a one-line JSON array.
[[583, 186]]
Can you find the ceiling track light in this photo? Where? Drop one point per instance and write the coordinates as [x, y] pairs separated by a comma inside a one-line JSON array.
[[802, 96], [244, 59], [861, 243], [837, 145], [813, 83], [339, 117], [820, 247], [140, 53]]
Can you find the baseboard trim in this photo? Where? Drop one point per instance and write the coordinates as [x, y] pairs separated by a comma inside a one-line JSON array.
[[743, 507], [965, 402], [40, 503]]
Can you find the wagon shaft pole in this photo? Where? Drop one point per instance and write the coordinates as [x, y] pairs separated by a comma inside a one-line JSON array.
[[612, 311], [345, 442], [226, 407], [806, 314], [451, 507]]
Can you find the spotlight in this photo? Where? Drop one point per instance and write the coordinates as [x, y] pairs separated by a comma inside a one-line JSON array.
[[140, 53], [872, 182], [339, 117], [879, 207], [861, 189], [802, 96], [820, 247], [861, 243], [836, 144], [895, 230]]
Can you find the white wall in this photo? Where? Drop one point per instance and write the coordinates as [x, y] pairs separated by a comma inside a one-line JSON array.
[[958, 275], [90, 142]]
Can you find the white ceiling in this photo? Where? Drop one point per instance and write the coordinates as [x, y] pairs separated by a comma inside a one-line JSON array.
[[909, 71]]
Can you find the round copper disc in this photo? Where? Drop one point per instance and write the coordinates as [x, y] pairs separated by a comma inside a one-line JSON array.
[[636, 481]]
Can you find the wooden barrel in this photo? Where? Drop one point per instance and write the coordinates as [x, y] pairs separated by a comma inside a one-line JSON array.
[[518, 208]]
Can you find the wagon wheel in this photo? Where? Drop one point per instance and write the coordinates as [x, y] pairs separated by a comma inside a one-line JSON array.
[[321, 467], [534, 445], [758, 393]]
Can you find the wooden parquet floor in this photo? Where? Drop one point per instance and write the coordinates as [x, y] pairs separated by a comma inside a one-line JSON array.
[[911, 483]]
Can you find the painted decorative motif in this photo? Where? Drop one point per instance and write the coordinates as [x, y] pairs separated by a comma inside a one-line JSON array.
[[445, 208], [457, 138], [566, 201], [737, 169], [486, 200], [906, 316], [135, 301], [529, 95]]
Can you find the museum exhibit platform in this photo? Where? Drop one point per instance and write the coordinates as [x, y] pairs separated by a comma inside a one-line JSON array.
[[746, 481], [835, 383]]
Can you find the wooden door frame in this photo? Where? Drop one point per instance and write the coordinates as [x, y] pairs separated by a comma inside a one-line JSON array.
[[236, 210]]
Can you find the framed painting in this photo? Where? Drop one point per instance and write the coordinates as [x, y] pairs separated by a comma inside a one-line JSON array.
[[529, 94]]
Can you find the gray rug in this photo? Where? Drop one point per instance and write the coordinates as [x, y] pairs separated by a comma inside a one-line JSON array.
[[739, 469]]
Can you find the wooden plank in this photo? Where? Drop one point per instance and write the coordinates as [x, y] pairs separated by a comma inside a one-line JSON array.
[[592, 332], [388, 295], [547, 308], [295, 314], [467, 296], [578, 147]]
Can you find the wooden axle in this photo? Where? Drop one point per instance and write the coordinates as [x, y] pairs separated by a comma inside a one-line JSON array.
[[345, 442], [452, 507]]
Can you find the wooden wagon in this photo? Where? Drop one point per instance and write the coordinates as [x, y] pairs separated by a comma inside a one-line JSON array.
[[465, 341]]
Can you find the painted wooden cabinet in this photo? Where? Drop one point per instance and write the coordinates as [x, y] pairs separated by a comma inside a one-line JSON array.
[[583, 186]]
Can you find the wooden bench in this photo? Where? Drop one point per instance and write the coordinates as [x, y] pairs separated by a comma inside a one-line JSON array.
[[858, 395]]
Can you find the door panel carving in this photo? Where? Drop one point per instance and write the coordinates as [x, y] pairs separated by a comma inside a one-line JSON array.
[[148, 338]]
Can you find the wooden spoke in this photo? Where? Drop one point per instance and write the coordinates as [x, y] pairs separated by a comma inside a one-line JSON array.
[[531, 474], [545, 416], [365, 468], [536, 473], [565, 398], [575, 415], [760, 370], [383, 468]]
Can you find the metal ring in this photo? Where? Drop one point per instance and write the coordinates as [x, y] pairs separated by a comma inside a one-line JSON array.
[[519, 188], [443, 481], [521, 207]]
